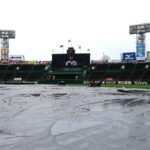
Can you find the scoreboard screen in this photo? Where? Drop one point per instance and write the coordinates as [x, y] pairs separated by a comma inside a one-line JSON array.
[[63, 60]]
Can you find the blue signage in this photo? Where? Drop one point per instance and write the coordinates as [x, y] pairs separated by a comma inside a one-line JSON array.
[[128, 56], [140, 50]]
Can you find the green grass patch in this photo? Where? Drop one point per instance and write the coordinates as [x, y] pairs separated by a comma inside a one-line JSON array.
[[117, 85], [127, 86]]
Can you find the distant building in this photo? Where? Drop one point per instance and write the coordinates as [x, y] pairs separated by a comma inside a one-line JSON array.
[[105, 58]]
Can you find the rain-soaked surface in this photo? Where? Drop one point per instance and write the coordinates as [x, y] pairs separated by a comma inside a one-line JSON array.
[[46, 117]]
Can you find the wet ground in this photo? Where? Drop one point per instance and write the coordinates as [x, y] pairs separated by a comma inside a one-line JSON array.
[[46, 117]]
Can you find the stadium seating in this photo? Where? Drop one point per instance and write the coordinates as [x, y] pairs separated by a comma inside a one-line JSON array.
[[26, 72], [121, 71]]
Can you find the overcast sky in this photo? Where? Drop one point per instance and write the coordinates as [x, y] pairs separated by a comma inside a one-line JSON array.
[[99, 25]]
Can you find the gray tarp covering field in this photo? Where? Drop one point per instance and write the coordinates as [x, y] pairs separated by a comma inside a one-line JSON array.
[[46, 117]]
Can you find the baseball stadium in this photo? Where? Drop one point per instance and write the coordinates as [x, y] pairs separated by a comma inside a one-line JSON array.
[[77, 68]]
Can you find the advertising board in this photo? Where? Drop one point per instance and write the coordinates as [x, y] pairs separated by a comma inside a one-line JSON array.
[[16, 58], [128, 56], [148, 55], [140, 51]]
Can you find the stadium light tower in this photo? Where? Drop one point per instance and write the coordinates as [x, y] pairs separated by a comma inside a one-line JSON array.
[[5, 35], [140, 30]]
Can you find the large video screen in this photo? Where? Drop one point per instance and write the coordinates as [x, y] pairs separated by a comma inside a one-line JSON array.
[[63, 60]]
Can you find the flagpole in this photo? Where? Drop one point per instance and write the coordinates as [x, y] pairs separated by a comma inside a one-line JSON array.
[[88, 50], [62, 46], [79, 48], [70, 41], [53, 50]]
